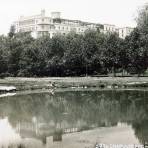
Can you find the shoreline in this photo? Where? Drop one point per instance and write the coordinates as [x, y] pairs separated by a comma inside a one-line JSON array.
[[22, 84]]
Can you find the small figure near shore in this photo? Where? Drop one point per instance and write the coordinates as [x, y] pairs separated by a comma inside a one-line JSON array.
[[51, 91]]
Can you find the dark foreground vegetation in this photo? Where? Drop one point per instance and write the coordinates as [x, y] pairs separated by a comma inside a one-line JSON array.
[[76, 55]]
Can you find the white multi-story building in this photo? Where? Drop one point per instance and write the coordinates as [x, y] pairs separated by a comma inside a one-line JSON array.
[[123, 32], [109, 28], [39, 25]]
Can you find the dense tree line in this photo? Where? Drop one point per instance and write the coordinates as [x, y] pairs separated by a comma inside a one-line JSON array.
[[75, 54]]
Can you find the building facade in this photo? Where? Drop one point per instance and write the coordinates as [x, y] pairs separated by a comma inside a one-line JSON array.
[[109, 28], [40, 25], [123, 32]]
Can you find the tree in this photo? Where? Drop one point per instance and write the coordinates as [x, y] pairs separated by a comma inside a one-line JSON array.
[[142, 19], [3, 55], [12, 31], [91, 39], [111, 51], [17, 45], [137, 52], [57, 49], [73, 55]]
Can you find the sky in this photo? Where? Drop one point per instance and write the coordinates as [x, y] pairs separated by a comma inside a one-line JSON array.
[[118, 12]]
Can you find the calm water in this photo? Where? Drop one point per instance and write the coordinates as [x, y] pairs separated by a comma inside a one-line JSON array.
[[74, 119]]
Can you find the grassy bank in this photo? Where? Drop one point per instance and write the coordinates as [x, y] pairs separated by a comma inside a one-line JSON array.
[[78, 82]]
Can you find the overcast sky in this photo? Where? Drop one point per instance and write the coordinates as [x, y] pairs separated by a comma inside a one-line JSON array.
[[118, 12]]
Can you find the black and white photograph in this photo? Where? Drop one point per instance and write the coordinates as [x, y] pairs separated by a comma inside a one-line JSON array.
[[73, 73]]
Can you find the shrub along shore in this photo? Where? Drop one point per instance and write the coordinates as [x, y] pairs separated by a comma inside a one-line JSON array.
[[53, 83]]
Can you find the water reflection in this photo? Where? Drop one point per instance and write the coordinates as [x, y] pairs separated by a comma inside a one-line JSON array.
[[8, 134], [42, 120]]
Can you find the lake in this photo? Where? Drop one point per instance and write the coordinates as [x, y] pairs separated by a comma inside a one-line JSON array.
[[74, 119]]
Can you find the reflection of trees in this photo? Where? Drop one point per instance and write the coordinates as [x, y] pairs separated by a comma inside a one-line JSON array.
[[141, 130], [80, 109], [140, 121]]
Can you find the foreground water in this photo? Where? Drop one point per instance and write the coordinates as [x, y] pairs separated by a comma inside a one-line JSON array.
[[74, 119]]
